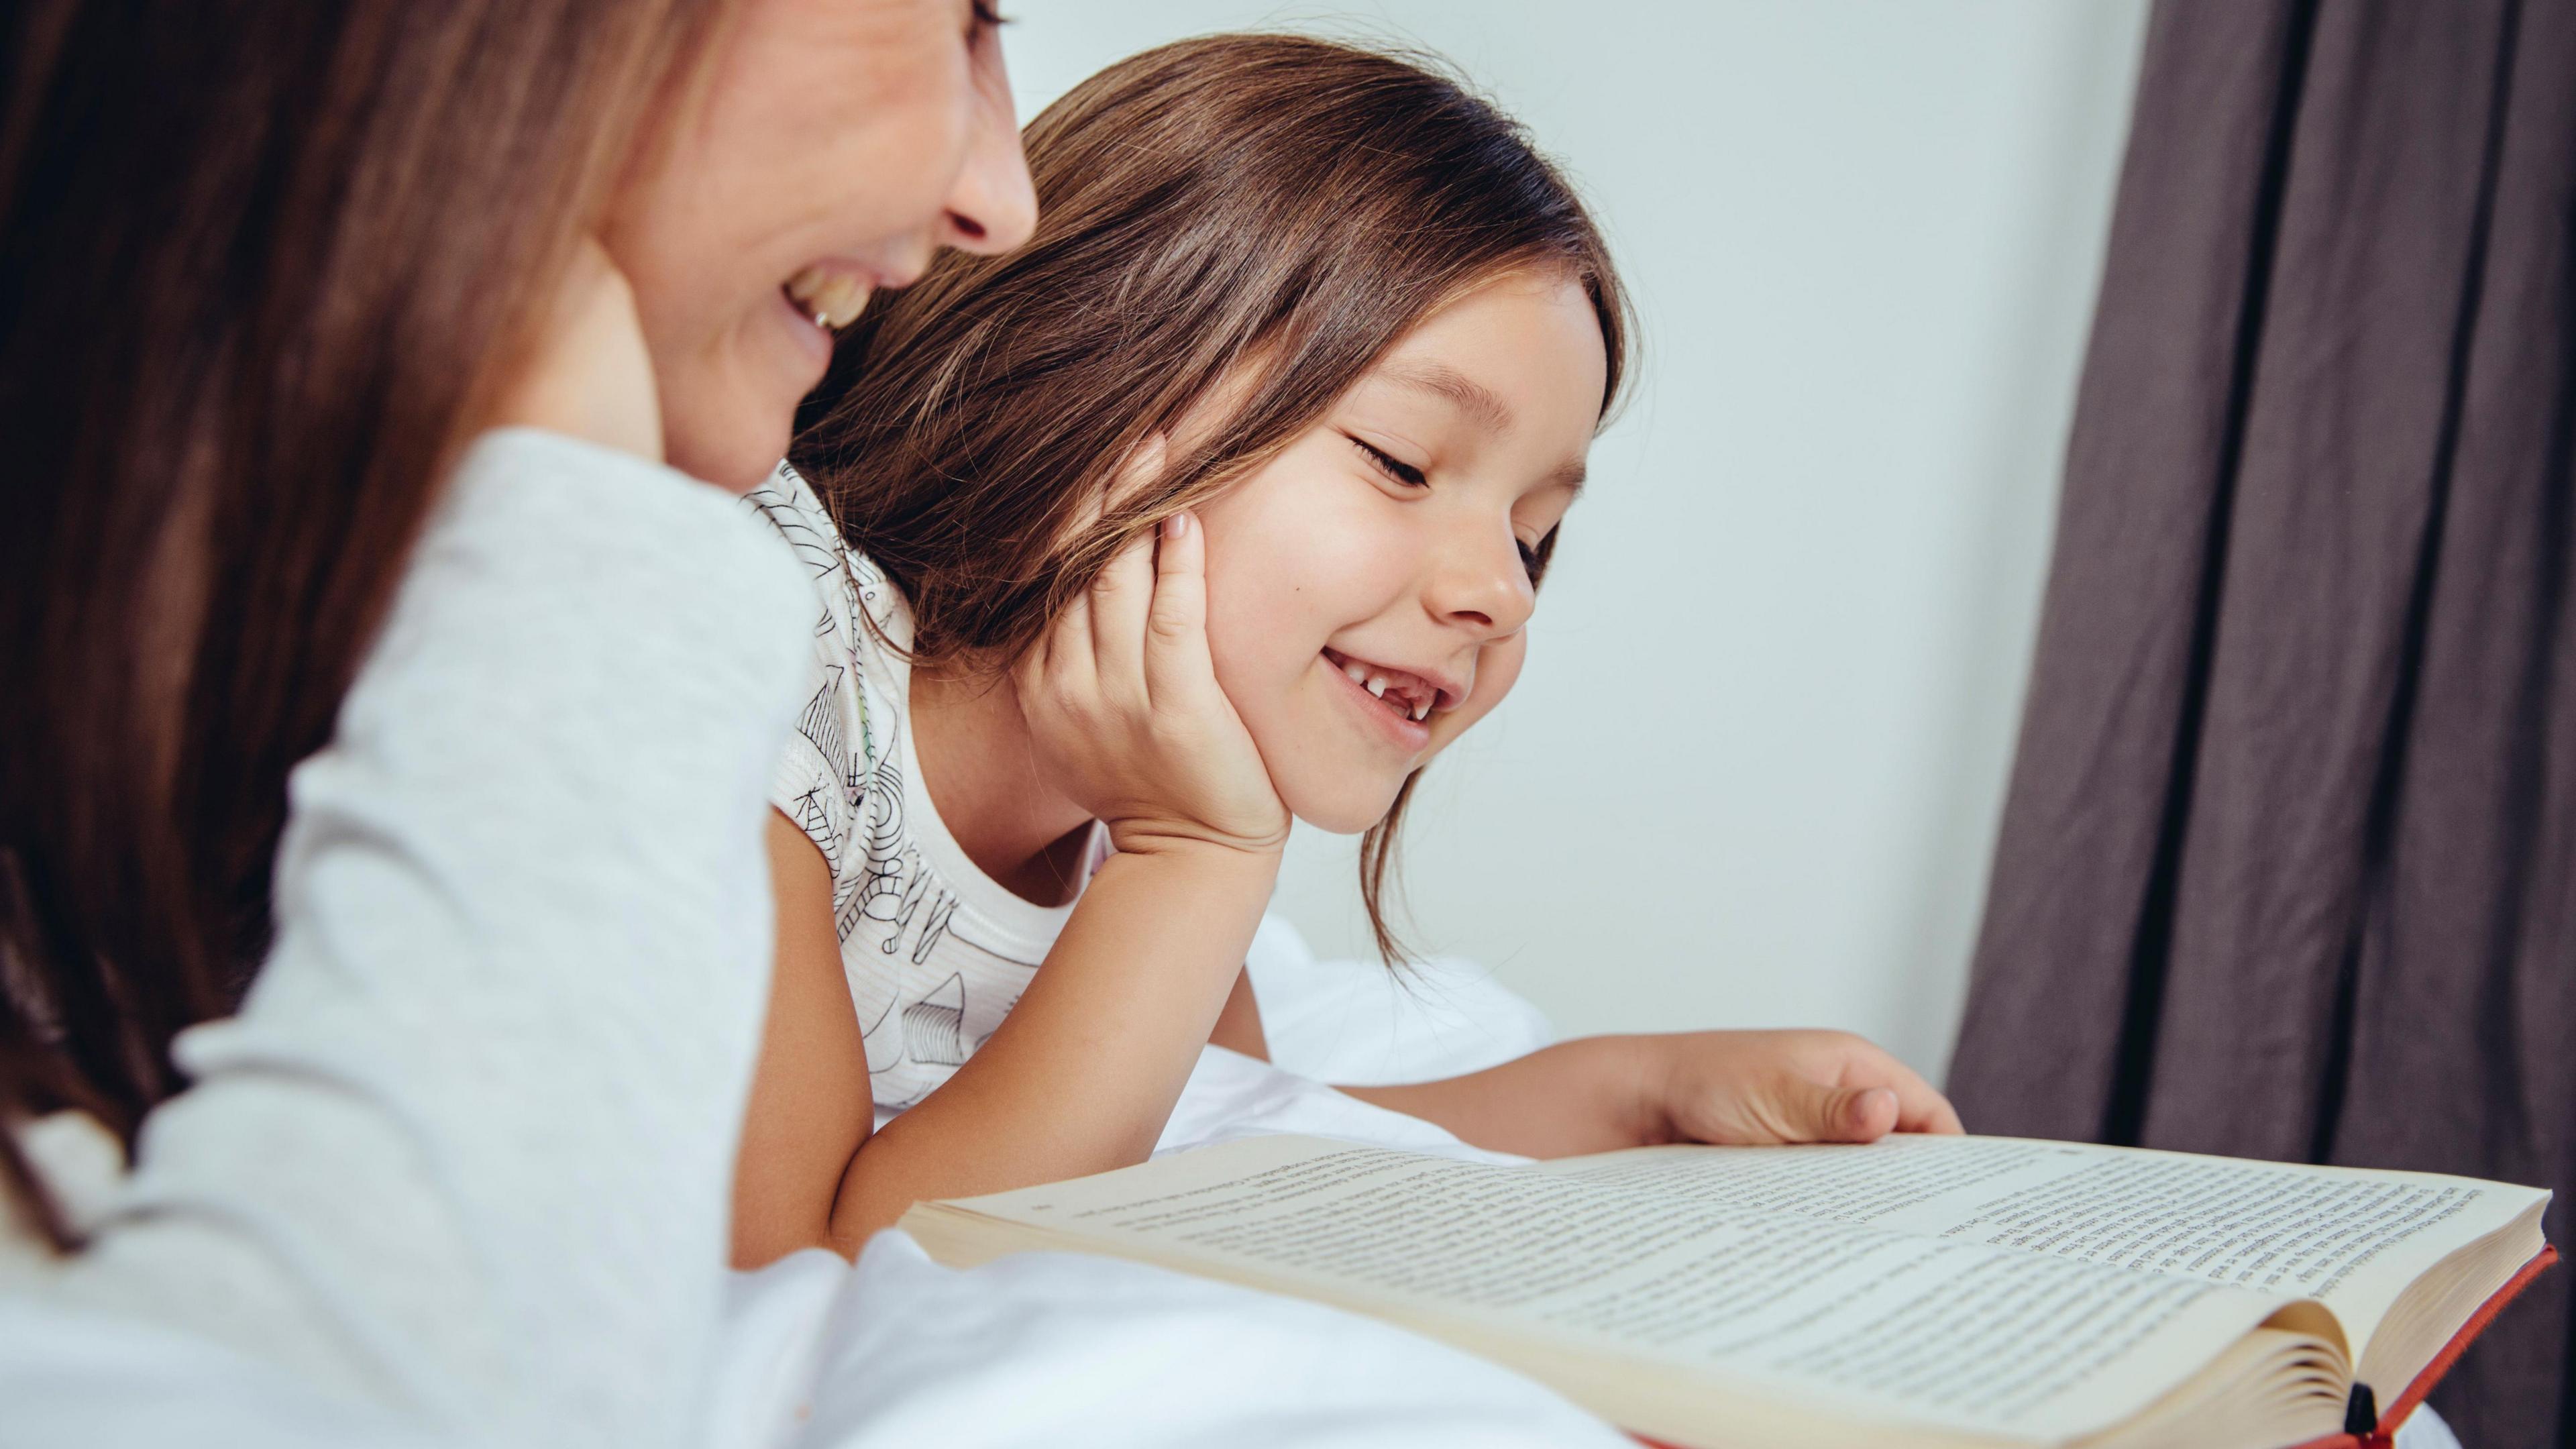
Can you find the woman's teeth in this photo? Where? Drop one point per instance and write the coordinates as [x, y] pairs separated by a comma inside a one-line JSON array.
[[1375, 683], [833, 298]]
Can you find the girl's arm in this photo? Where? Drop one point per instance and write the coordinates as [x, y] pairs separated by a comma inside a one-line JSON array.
[[1742, 1088], [1083, 1072], [810, 1102], [1238, 1026], [811, 1109]]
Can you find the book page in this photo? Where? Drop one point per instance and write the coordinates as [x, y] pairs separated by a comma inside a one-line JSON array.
[[1854, 1319], [2350, 1239]]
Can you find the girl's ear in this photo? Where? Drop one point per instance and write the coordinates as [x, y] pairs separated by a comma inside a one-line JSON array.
[[1143, 466]]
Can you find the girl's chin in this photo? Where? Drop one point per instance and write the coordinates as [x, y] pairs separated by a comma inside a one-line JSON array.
[[1340, 810]]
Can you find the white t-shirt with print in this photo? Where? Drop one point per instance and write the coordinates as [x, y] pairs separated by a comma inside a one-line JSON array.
[[936, 951]]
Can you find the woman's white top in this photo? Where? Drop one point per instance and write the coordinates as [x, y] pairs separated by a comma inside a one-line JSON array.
[[936, 951], [459, 1170]]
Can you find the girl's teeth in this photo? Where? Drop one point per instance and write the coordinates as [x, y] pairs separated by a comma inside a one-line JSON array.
[[1376, 684], [832, 298]]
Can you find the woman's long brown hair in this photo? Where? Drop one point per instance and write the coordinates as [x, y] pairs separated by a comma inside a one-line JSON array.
[[1263, 212], [261, 266]]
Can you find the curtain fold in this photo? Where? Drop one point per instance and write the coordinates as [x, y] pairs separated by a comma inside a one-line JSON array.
[[2288, 862]]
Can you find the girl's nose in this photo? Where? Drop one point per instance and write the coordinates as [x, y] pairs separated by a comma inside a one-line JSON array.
[[1485, 588]]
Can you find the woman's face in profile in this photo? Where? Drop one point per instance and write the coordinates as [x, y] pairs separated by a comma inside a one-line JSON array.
[[836, 146]]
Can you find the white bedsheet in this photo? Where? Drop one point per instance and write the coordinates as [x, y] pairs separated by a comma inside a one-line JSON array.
[[1047, 1350]]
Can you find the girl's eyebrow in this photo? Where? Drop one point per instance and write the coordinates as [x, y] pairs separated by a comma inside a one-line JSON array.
[[1482, 405]]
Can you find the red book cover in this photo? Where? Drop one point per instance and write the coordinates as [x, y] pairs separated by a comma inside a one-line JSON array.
[[2395, 1414], [2385, 1436]]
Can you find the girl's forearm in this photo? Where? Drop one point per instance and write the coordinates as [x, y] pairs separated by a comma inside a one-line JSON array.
[[1559, 1101], [1081, 1075]]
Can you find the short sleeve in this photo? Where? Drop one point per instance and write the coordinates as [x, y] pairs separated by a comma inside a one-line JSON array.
[[820, 775]]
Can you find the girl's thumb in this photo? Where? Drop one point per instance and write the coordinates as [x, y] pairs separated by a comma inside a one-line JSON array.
[[1847, 1114]]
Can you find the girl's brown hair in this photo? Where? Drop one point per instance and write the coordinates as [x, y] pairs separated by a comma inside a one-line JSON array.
[[1263, 212], [262, 266]]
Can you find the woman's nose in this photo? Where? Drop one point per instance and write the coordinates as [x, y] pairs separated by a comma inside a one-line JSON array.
[[993, 207]]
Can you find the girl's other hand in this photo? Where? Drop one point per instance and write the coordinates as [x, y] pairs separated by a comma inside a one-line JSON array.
[[587, 373], [1124, 709], [1755, 1088]]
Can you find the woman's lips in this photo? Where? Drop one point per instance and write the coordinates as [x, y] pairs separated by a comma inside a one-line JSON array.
[[832, 296], [812, 340]]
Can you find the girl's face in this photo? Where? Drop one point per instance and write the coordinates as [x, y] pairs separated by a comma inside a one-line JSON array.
[[1367, 590], [837, 145]]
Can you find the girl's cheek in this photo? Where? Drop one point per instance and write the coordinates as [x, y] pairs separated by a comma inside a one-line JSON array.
[[1498, 668], [1261, 637]]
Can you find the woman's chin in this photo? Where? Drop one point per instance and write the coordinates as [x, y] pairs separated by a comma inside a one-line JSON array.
[[735, 448]]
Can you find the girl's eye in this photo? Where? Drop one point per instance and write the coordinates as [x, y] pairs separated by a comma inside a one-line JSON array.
[[1404, 473], [1534, 558]]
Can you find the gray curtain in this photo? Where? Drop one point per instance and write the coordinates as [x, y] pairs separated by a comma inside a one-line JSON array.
[[2288, 864]]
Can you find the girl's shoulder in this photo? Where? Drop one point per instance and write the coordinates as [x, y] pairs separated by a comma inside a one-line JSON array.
[[860, 604], [840, 751]]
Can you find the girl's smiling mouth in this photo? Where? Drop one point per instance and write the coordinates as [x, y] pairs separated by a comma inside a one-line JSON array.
[[1399, 700]]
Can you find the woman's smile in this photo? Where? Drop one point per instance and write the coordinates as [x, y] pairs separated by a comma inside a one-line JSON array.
[[830, 292]]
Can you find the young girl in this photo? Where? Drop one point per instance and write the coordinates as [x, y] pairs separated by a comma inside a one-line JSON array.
[[1224, 500]]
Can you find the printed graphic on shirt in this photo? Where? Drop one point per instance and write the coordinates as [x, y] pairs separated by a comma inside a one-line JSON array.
[[935, 952]]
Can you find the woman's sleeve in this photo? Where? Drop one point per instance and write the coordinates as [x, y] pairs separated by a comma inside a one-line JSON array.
[[465, 1153]]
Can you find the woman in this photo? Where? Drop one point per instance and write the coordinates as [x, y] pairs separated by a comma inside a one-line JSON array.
[[269, 277]]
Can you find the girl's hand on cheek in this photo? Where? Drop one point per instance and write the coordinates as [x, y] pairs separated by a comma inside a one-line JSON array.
[[1748, 1088], [586, 373], [1122, 702]]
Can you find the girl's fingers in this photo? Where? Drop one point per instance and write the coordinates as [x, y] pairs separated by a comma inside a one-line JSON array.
[[1068, 649], [1125, 588], [1176, 649], [1919, 1108], [1120, 599], [1818, 1113]]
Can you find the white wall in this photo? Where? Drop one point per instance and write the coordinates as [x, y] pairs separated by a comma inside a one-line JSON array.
[[1752, 774]]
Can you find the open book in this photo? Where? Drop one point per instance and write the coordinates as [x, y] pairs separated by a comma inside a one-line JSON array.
[[1922, 1291]]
